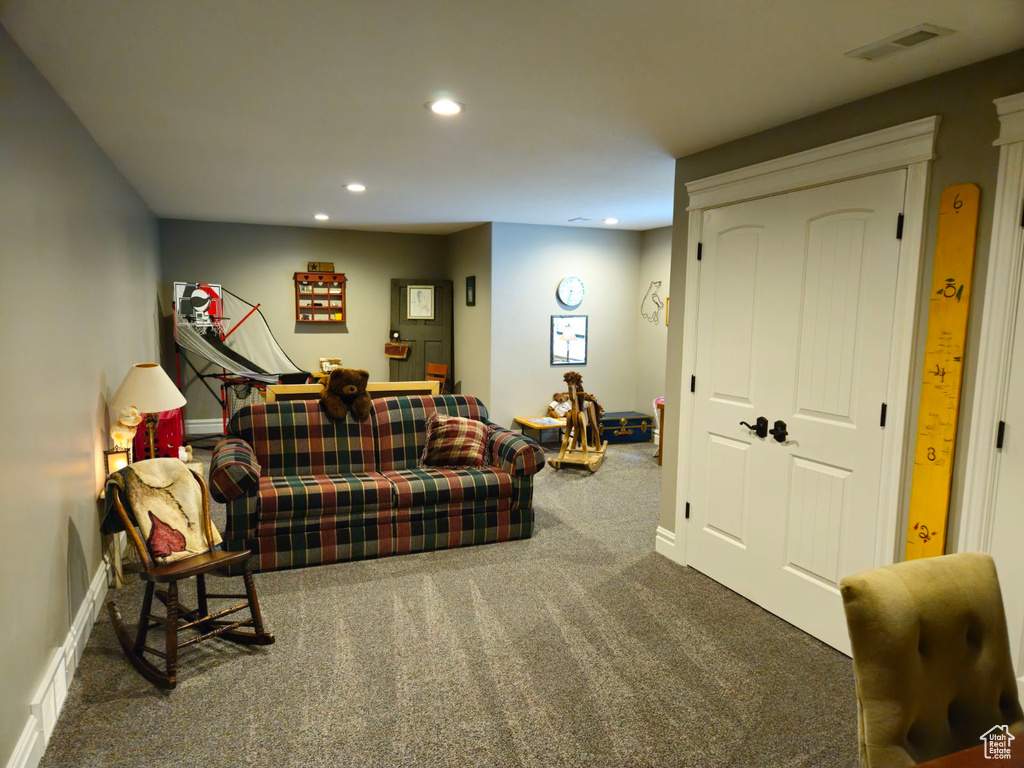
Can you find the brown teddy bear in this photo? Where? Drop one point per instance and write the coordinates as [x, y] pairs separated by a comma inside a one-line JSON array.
[[344, 391], [559, 405]]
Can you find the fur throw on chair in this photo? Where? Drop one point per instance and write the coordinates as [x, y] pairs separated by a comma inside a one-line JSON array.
[[166, 503]]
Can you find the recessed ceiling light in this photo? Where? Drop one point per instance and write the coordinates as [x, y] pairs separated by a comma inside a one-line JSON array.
[[321, 216], [445, 107], [611, 221], [355, 187]]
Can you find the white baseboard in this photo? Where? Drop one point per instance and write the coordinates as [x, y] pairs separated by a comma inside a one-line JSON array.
[[665, 545], [28, 752], [53, 690], [196, 427]]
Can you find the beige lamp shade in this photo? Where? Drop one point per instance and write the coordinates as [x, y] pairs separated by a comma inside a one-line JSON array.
[[149, 389]]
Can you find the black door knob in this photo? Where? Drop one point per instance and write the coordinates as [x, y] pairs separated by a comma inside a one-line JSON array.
[[759, 427], [779, 432]]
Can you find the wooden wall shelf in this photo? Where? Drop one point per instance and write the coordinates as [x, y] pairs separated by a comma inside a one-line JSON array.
[[319, 297]]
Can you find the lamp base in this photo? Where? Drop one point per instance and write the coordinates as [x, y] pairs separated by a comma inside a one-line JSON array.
[[152, 419]]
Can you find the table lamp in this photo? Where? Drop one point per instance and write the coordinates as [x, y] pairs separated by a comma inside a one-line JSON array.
[[568, 337], [150, 389]]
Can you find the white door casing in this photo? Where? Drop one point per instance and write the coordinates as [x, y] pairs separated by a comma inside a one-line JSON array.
[[990, 519], [909, 146], [795, 324]]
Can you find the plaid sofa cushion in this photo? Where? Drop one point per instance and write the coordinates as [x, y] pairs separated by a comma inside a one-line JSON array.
[[453, 441], [234, 470], [401, 425], [296, 437], [322, 497], [427, 486]]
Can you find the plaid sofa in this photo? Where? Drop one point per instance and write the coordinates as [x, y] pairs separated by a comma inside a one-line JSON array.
[[302, 489]]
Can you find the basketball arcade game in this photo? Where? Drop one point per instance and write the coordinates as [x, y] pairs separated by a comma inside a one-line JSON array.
[[228, 332]]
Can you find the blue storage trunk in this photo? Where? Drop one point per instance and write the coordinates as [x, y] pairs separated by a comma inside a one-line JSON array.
[[626, 427]]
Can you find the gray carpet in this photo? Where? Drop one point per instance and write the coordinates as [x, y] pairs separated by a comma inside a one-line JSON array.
[[578, 647]]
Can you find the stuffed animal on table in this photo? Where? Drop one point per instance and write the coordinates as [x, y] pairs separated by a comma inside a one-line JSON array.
[[345, 391], [559, 405]]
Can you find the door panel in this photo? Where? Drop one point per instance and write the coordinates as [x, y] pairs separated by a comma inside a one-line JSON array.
[[733, 313], [741, 243], [818, 505], [728, 485], [832, 274], [846, 235], [804, 338]]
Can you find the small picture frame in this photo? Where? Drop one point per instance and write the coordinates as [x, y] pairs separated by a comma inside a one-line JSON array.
[[568, 340], [471, 291], [419, 302]]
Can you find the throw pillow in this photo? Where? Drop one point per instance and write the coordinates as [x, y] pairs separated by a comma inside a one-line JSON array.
[[453, 441]]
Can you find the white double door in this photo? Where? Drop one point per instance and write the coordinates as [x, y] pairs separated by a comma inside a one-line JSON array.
[[794, 324], [1007, 543]]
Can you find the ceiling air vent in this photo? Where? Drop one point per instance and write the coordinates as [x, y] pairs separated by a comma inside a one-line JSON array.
[[901, 41]]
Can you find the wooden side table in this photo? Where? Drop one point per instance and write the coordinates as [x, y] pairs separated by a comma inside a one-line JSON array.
[[540, 424]]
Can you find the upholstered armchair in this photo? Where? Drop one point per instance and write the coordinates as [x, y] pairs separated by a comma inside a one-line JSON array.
[[931, 658]]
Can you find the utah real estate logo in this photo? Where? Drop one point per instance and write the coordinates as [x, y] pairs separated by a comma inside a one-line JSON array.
[[997, 742]]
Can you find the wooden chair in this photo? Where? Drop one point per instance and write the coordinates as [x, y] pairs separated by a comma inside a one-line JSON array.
[[437, 372], [178, 617]]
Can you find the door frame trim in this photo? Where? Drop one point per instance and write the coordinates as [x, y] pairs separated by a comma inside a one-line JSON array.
[[886, 150], [1002, 290], [910, 146]]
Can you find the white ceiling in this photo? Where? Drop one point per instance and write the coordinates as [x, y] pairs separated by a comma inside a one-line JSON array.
[[261, 110]]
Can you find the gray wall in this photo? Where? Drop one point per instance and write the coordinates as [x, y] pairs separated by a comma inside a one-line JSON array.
[[527, 264], [78, 255], [470, 255], [257, 262], [652, 338], [963, 98]]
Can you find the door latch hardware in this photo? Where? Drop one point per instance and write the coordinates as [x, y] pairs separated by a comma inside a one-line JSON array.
[[759, 427], [779, 432]]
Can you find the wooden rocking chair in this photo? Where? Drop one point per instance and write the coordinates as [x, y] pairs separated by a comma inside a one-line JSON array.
[[178, 617], [581, 446]]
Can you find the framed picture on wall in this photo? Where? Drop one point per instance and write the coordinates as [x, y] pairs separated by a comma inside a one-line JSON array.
[[471, 291], [419, 304], [568, 339]]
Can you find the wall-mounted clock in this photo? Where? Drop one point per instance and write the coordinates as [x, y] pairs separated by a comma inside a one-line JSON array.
[[570, 291]]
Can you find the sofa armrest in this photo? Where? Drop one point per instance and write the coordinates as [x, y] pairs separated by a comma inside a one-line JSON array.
[[234, 470], [514, 453]]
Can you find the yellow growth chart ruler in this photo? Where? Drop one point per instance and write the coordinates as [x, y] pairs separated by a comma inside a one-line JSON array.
[[943, 370]]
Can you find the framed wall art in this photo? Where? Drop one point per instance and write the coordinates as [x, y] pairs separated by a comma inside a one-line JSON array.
[[419, 303], [568, 340]]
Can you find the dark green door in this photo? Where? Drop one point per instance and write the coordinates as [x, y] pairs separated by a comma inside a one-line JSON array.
[[429, 340]]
